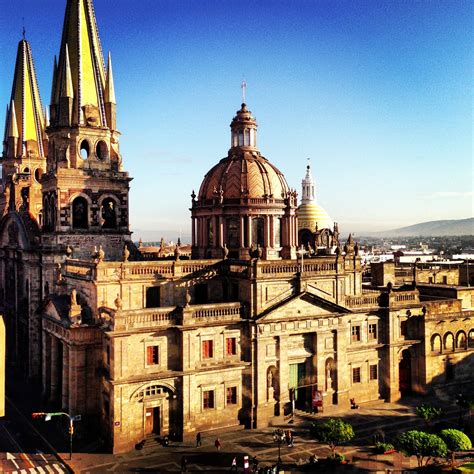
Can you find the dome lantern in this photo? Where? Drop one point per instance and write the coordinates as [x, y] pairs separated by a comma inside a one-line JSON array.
[[244, 130]]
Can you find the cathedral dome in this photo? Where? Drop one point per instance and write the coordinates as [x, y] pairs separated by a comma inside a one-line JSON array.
[[244, 206], [244, 173], [310, 213]]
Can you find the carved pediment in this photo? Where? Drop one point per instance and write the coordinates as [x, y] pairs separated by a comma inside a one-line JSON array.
[[302, 306], [51, 311]]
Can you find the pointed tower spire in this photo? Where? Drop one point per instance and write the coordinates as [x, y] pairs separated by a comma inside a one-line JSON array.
[[26, 107], [24, 149], [110, 107], [67, 89], [12, 123], [80, 46], [109, 83]]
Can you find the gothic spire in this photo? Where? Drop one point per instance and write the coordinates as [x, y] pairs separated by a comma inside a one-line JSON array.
[[25, 119], [80, 46]]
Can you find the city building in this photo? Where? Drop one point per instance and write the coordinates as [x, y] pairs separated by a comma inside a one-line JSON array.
[[269, 313]]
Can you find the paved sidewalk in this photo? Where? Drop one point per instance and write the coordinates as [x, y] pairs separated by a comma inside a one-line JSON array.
[[390, 417]]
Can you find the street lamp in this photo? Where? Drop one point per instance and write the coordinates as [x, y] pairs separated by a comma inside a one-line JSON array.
[[72, 419], [278, 436]]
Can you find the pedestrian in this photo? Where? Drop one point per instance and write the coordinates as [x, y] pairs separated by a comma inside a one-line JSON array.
[[218, 444], [198, 440], [287, 437], [184, 464], [291, 438], [233, 466]]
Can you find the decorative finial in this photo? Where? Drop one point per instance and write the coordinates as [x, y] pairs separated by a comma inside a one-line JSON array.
[[243, 86], [308, 166], [24, 31]]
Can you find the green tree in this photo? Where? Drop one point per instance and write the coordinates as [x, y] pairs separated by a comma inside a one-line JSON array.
[[333, 433], [422, 445], [428, 413], [455, 441]]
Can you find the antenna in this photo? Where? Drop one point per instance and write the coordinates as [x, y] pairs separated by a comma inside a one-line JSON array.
[[24, 31], [243, 86]]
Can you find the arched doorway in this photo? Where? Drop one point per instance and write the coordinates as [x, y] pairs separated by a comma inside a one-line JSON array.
[[159, 409], [404, 373]]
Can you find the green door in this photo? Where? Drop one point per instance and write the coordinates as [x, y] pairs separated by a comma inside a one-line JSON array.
[[297, 376]]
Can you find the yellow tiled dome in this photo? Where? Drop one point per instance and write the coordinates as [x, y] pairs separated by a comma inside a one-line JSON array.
[[311, 213]]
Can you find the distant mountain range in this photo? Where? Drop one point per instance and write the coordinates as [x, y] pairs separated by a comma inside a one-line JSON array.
[[156, 235], [430, 229]]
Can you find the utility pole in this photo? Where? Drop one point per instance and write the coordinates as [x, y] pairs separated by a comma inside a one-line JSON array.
[[72, 419]]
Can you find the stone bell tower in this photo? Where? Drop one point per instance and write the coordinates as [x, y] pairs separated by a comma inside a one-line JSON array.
[[85, 189]]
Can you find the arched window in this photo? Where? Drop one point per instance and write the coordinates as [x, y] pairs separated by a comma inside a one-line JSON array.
[[80, 211], [101, 150], [461, 340], [257, 231], [470, 339], [47, 213], [52, 211], [233, 233], [84, 149], [108, 212], [436, 343], [449, 341]]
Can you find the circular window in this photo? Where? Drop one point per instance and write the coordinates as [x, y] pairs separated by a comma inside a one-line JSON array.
[[84, 149], [101, 150], [38, 174]]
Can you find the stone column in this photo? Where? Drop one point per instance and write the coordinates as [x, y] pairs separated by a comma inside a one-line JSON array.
[[65, 378], [242, 232], [78, 384], [220, 232], [249, 231], [193, 231], [283, 370], [54, 386], [272, 230], [46, 365], [342, 368]]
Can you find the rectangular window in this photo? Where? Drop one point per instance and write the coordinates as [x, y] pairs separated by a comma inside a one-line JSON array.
[[356, 375], [152, 297], [207, 349], [152, 355], [372, 331], [231, 346], [355, 333], [231, 395], [208, 399], [403, 328], [373, 372]]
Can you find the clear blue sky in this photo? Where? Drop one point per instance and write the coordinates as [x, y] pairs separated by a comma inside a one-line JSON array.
[[377, 93]]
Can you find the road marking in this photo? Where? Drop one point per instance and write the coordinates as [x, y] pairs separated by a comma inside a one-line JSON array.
[[12, 458], [33, 428], [50, 469], [41, 470], [23, 471], [58, 468]]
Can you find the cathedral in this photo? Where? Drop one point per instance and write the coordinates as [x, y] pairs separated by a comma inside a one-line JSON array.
[[267, 315]]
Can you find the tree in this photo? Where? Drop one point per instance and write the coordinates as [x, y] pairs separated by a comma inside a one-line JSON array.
[[428, 413], [455, 441], [333, 433], [422, 445]]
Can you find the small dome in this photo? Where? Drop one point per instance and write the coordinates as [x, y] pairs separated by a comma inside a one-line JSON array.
[[244, 174], [310, 214]]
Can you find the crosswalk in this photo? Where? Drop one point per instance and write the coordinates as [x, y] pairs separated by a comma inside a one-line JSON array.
[[44, 469]]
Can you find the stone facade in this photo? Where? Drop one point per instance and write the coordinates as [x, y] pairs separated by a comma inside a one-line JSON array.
[[249, 329]]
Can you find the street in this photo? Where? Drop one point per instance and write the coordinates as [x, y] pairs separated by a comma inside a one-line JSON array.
[[22, 449]]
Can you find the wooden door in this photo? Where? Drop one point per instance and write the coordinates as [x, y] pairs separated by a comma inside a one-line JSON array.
[[149, 421]]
